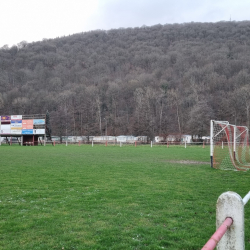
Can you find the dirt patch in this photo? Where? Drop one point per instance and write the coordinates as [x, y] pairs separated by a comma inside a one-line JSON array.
[[189, 162]]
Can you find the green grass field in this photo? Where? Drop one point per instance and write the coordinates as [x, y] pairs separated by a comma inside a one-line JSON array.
[[111, 197]]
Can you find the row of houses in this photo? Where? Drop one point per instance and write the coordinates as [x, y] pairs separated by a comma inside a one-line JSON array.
[[181, 138], [131, 139], [117, 139], [102, 139]]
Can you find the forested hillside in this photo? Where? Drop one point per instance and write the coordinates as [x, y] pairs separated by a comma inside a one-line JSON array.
[[141, 81]]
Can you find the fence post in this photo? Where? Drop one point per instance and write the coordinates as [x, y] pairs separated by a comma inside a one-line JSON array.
[[230, 204]]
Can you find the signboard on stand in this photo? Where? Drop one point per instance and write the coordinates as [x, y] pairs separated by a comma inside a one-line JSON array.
[[22, 125]]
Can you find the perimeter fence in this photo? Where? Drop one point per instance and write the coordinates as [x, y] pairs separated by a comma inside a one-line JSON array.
[[40, 142]]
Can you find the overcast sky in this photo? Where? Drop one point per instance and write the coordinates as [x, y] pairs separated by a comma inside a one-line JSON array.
[[33, 20]]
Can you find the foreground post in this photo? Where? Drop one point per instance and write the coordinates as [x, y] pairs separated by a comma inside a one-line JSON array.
[[230, 204], [229, 223]]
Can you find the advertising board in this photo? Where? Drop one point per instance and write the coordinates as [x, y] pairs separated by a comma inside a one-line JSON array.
[[27, 131], [16, 131], [16, 117], [5, 118], [27, 124], [39, 131], [5, 129], [16, 123], [39, 121]]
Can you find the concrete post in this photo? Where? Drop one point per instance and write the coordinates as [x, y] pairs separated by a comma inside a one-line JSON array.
[[230, 204]]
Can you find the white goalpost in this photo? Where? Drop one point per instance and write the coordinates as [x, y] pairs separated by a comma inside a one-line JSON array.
[[229, 146]]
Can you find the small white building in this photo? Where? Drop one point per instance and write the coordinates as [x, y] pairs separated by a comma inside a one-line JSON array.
[[126, 138], [173, 138], [159, 139], [103, 138], [186, 138], [206, 138], [142, 138]]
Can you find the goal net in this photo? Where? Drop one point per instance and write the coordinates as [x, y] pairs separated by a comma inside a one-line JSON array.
[[229, 146]]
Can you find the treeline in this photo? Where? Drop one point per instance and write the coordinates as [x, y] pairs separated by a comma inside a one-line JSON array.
[[140, 81]]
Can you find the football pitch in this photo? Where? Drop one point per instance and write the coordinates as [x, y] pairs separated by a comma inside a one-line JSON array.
[[83, 197]]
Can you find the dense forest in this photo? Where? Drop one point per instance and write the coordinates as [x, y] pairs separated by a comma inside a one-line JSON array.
[[155, 80]]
